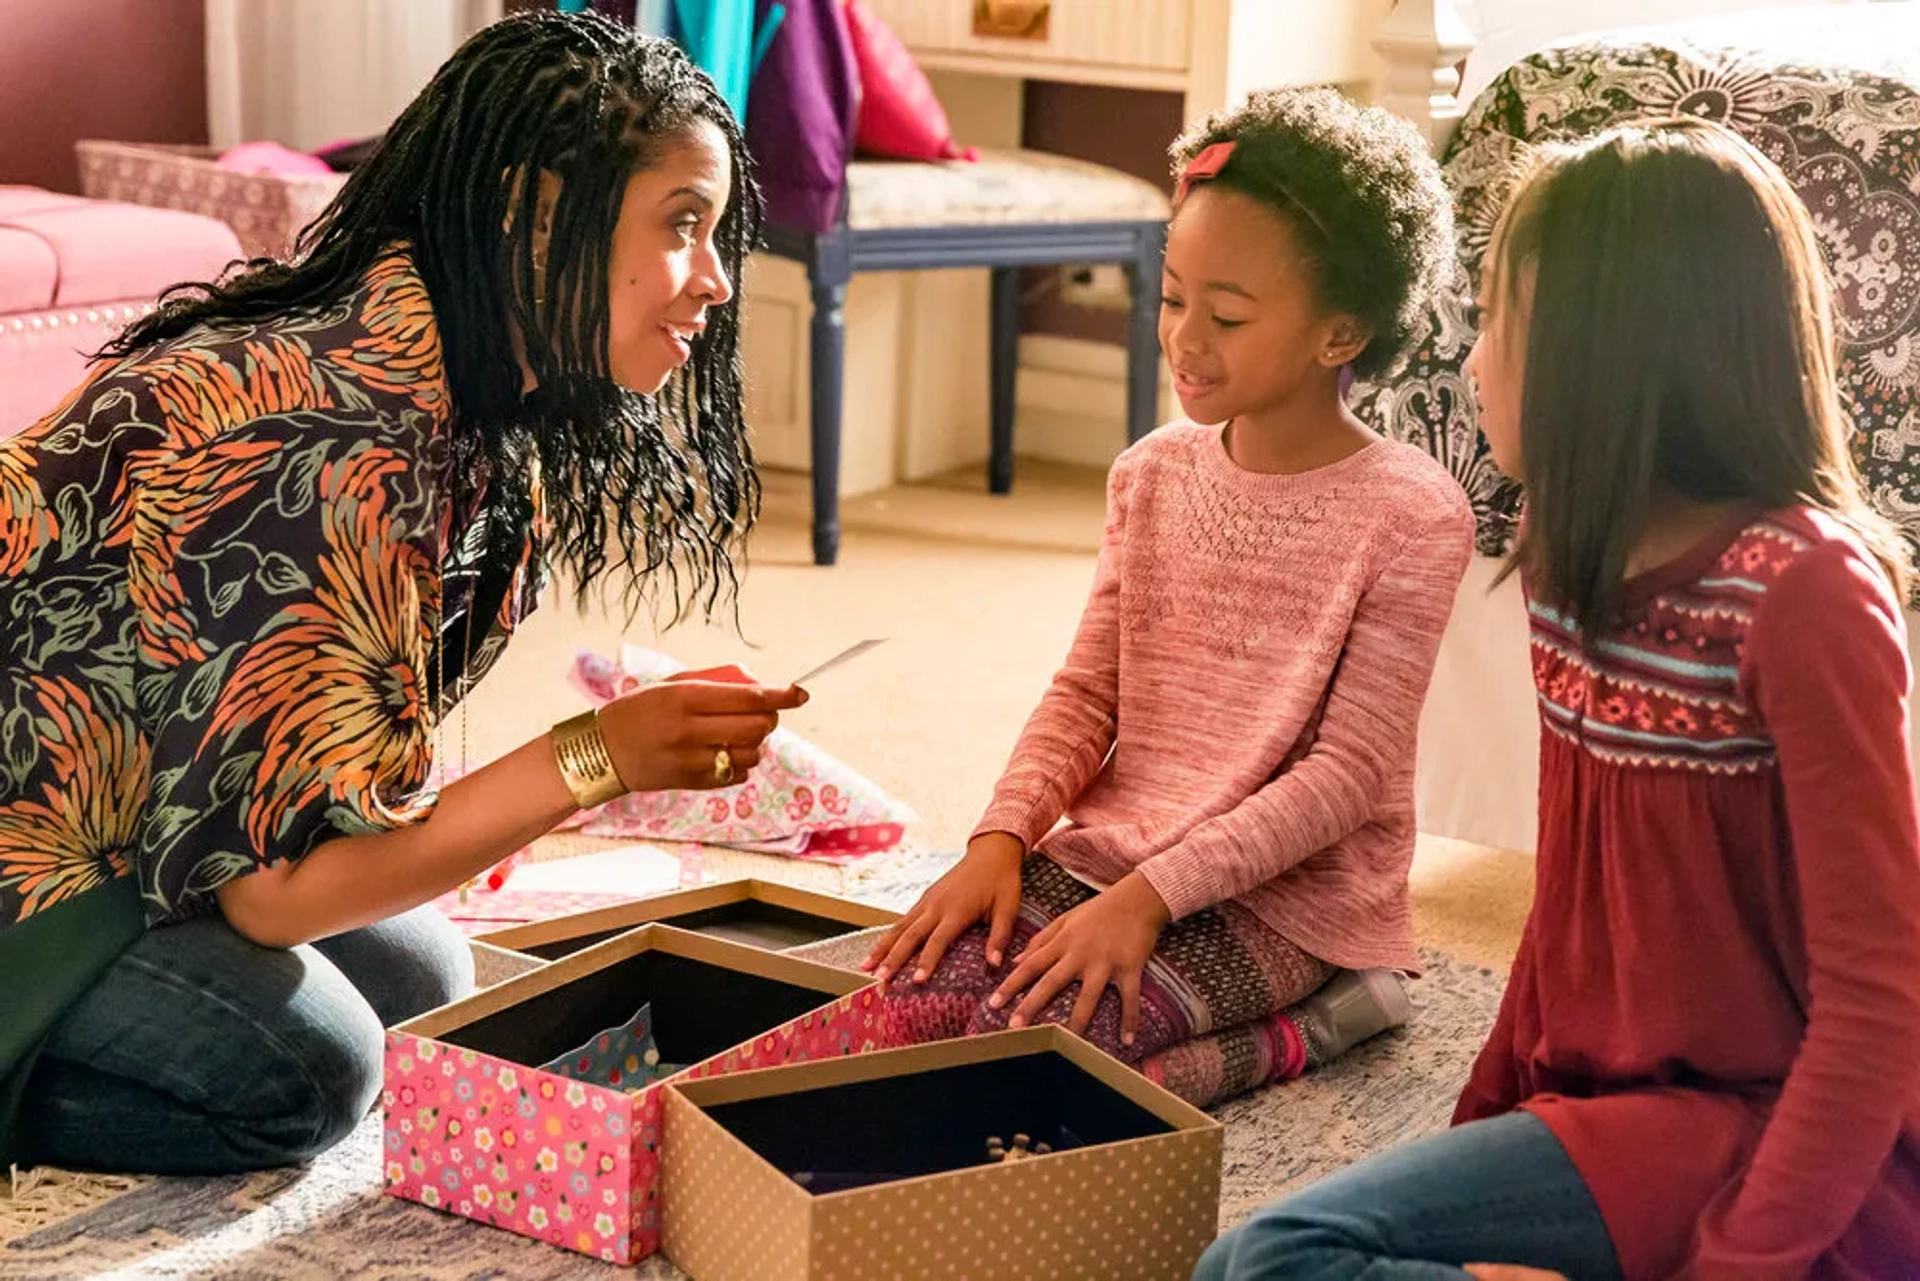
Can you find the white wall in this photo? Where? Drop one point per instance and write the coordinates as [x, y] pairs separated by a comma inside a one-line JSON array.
[[310, 72]]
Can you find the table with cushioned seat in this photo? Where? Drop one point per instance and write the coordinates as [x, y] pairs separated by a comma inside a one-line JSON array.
[[1007, 210]]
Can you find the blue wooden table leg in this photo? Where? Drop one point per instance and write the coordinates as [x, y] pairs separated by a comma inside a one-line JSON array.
[[1143, 339], [1004, 363], [828, 355]]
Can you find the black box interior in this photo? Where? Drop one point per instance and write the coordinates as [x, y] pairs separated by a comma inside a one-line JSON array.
[[898, 1127], [748, 921], [698, 1010]]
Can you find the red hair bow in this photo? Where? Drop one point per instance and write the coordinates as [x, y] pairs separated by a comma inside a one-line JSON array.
[[1208, 164]]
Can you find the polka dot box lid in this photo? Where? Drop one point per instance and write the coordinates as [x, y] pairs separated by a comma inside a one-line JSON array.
[[1141, 1207]]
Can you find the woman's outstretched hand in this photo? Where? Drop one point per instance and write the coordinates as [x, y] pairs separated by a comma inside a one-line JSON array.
[[660, 736], [666, 737]]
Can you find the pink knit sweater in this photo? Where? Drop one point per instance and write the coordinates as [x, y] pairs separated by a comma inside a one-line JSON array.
[[1237, 715]]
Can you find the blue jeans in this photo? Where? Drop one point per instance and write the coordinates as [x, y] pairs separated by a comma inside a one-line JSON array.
[[1497, 1191], [202, 1053]]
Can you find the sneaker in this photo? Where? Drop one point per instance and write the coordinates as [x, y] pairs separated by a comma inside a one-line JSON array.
[[1351, 1007]]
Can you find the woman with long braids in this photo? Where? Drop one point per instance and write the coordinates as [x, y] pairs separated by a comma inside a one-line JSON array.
[[289, 520]]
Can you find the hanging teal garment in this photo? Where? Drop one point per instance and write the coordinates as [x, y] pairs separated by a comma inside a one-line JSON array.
[[720, 37], [776, 14]]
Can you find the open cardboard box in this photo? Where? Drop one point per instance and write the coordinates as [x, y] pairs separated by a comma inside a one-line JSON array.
[[475, 1127], [759, 913], [1135, 1194]]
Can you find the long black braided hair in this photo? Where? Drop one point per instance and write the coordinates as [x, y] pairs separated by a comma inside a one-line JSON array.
[[661, 484]]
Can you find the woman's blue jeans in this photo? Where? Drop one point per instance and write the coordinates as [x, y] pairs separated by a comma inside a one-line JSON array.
[[199, 1052]]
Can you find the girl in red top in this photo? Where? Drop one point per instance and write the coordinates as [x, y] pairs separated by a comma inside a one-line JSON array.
[[1708, 1061]]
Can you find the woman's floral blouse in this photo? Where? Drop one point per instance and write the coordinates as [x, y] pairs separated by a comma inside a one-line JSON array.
[[221, 568]]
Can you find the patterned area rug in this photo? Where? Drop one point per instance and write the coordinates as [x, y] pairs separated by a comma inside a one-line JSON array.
[[329, 1219]]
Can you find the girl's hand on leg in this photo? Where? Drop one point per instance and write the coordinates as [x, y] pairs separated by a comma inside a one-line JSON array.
[[984, 886], [1107, 939], [1511, 1272]]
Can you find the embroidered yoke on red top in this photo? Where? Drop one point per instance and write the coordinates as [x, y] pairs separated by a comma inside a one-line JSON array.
[[1236, 717], [1716, 1004]]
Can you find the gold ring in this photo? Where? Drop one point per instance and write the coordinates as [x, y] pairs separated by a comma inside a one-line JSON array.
[[723, 767]]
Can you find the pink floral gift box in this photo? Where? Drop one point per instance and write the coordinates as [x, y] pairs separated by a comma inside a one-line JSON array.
[[476, 1126]]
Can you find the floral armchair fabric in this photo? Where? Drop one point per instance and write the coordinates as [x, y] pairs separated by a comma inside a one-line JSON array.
[[1831, 95]]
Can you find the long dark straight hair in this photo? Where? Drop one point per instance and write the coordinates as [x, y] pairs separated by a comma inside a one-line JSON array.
[[1679, 342], [660, 483]]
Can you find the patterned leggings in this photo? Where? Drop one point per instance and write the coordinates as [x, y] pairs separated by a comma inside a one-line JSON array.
[[1213, 1000]]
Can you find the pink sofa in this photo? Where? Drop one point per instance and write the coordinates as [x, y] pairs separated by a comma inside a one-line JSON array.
[[74, 271]]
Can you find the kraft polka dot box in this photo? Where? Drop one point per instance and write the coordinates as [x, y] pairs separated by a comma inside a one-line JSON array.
[[1018, 1154], [759, 913], [534, 1105]]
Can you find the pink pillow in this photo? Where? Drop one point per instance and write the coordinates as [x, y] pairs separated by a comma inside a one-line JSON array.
[[799, 800], [899, 115], [273, 159]]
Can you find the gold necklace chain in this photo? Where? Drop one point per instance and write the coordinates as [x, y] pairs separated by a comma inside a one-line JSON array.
[[443, 695]]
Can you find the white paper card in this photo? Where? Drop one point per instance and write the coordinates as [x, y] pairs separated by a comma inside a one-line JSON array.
[[846, 655]]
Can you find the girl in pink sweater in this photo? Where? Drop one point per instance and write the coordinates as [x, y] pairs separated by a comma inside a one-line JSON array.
[[1231, 739]]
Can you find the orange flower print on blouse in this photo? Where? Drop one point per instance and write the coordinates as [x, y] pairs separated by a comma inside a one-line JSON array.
[[203, 393], [169, 492], [77, 832], [223, 579], [177, 496], [338, 683], [27, 523], [400, 351]]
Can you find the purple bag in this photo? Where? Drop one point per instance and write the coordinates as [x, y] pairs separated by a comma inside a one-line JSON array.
[[802, 113]]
